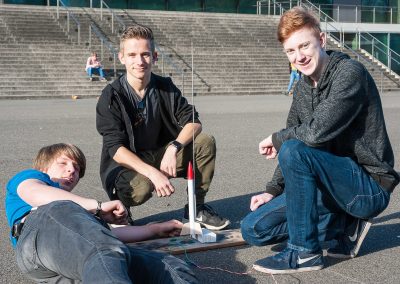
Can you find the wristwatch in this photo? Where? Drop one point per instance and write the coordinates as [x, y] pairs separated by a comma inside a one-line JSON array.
[[177, 145]]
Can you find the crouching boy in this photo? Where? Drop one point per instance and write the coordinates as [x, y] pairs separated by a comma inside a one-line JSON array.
[[62, 237]]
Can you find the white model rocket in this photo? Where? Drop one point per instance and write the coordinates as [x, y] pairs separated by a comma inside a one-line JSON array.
[[193, 228]]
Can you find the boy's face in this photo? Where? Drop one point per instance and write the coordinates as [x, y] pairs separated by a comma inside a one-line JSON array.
[[64, 171], [137, 58], [304, 50]]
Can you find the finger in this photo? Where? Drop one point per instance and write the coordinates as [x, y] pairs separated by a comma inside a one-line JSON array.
[[173, 172]]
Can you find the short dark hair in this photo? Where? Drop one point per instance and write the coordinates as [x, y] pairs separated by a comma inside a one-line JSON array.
[[47, 154]]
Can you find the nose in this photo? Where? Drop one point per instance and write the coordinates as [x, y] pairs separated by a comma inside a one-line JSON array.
[[299, 55], [70, 168]]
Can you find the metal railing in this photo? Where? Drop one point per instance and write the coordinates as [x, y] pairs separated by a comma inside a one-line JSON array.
[[339, 12], [365, 41], [70, 15], [113, 16], [103, 42], [360, 13], [166, 59]]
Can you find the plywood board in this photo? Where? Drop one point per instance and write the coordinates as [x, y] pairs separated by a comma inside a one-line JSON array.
[[178, 245]]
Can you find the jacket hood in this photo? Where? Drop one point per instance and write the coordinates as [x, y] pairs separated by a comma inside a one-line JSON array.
[[331, 67]]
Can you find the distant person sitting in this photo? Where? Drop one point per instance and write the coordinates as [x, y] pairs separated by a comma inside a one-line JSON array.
[[61, 237], [294, 77], [94, 65]]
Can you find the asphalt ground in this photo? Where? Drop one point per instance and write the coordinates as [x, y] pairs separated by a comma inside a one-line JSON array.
[[238, 124]]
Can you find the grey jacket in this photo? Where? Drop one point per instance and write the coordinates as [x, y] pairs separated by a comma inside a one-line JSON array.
[[342, 115]]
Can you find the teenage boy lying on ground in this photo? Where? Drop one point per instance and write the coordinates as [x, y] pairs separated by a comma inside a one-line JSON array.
[[60, 236]]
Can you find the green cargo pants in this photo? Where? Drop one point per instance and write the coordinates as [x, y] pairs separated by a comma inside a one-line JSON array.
[[134, 189]]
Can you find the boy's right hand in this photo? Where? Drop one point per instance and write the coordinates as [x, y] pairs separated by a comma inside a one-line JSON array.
[[114, 212], [260, 199], [162, 184]]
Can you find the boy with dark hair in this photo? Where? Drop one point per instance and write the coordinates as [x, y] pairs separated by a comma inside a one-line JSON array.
[[62, 237], [336, 164], [148, 129]]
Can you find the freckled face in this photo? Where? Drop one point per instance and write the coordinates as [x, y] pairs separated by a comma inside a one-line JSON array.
[[64, 171], [304, 50]]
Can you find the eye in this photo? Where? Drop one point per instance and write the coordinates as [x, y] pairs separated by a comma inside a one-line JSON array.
[[289, 51], [305, 45]]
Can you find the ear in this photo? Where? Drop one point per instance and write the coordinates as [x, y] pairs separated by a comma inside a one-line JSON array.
[[121, 58], [322, 39], [155, 56]]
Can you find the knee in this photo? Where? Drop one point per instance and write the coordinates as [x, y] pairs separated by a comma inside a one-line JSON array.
[[142, 189], [291, 152], [206, 144]]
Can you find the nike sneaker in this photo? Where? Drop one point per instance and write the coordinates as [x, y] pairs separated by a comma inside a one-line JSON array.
[[290, 261], [349, 245], [207, 217]]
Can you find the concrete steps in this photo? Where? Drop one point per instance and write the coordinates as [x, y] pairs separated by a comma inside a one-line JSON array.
[[233, 54]]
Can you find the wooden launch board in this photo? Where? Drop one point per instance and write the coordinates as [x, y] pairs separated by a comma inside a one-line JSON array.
[[178, 245]]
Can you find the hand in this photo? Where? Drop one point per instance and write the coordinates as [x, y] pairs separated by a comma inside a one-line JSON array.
[[168, 162], [260, 199], [114, 212], [167, 229], [161, 183], [267, 149]]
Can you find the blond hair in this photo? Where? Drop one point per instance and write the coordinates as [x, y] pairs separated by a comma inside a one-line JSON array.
[[137, 32], [48, 154]]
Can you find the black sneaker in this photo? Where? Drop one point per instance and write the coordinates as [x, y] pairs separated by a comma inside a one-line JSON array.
[[349, 245], [207, 217], [290, 261]]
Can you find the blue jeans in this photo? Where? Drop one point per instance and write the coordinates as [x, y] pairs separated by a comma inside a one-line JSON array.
[[294, 76], [268, 224], [306, 171], [62, 243], [98, 70]]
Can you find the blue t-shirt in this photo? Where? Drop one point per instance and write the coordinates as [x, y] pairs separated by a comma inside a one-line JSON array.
[[16, 208]]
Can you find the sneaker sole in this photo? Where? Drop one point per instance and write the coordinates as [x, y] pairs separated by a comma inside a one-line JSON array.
[[338, 255], [208, 226], [211, 227], [286, 271], [357, 247]]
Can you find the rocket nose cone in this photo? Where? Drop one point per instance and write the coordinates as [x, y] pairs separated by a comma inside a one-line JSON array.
[[190, 171]]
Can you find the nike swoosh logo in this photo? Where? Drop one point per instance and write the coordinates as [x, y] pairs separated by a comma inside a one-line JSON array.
[[354, 237], [200, 219], [303, 260]]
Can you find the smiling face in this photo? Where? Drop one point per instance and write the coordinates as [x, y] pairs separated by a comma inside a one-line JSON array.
[[64, 171], [305, 50], [138, 59]]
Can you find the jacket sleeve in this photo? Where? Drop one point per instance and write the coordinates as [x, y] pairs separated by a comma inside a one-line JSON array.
[[276, 185], [333, 114], [183, 111], [110, 124]]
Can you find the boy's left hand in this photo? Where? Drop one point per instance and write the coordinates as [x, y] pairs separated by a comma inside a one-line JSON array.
[[168, 229]]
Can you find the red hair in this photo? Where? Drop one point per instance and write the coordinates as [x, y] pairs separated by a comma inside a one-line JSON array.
[[294, 20]]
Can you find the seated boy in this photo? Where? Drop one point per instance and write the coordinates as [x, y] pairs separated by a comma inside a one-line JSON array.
[[60, 236]]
